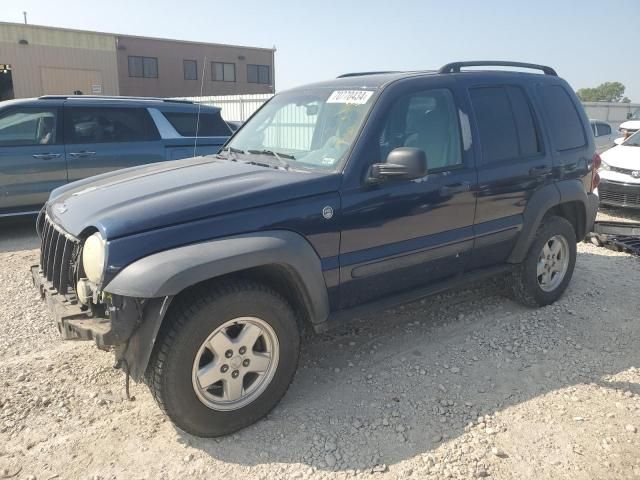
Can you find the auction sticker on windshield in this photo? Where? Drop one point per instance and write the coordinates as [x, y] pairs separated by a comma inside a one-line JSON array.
[[357, 97]]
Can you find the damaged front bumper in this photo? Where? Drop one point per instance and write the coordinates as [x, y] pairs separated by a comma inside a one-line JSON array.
[[79, 322], [128, 324]]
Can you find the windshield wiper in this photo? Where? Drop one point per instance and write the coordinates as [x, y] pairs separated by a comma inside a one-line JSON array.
[[278, 156], [231, 153]]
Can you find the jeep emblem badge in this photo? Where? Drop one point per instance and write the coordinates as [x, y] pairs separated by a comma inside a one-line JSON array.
[[635, 174], [327, 212]]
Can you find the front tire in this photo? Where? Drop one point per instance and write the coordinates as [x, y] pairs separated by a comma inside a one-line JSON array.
[[547, 270], [225, 357]]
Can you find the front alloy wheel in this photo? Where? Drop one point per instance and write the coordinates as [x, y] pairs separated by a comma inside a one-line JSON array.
[[224, 357], [235, 363]]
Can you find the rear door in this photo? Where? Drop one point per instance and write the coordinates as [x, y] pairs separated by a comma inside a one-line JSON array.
[[32, 161], [103, 138], [513, 165]]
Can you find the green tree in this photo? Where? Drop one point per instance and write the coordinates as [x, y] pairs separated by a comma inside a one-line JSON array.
[[606, 92]]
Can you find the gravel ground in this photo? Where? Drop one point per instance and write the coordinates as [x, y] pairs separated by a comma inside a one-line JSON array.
[[466, 384]]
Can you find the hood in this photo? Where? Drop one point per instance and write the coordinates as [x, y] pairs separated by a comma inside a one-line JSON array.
[[146, 197], [622, 156]]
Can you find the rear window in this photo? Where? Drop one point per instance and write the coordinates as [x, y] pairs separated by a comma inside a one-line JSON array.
[[563, 119], [209, 125]]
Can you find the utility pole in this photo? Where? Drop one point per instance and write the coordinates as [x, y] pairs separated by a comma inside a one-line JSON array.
[[24, 14]]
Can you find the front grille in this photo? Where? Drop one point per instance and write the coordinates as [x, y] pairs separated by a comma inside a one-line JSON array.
[[629, 198], [626, 171], [59, 254]]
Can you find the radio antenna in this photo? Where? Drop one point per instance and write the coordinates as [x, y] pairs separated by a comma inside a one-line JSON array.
[[204, 69]]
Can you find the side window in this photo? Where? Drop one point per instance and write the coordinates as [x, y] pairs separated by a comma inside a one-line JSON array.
[[108, 125], [426, 120], [564, 121], [505, 123], [209, 125], [527, 132], [603, 129], [496, 124], [28, 127]]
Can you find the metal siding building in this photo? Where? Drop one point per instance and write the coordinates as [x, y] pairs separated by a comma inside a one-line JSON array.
[[46, 60], [51, 60]]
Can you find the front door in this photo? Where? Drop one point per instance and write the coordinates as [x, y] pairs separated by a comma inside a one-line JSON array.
[[32, 161], [402, 234]]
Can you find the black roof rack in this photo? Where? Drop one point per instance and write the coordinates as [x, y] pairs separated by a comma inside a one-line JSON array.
[[456, 66], [111, 97], [362, 74]]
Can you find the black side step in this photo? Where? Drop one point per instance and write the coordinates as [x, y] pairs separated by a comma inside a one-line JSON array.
[[402, 298]]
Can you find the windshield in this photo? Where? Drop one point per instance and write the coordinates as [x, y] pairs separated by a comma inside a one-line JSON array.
[[636, 115], [633, 140], [310, 128]]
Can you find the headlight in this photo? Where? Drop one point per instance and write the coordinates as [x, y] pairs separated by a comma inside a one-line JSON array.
[[604, 166], [93, 257]]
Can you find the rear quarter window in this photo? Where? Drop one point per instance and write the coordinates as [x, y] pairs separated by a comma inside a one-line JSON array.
[[209, 125], [563, 119]]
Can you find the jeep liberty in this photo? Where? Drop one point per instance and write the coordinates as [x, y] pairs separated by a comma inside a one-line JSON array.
[[333, 199]]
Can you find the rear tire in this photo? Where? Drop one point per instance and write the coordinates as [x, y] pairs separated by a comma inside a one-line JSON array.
[[224, 358], [547, 270]]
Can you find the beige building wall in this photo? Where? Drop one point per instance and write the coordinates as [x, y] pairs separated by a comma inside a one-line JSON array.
[[58, 61], [172, 53]]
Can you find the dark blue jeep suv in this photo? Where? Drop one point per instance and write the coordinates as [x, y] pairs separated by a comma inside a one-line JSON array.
[[357, 193]]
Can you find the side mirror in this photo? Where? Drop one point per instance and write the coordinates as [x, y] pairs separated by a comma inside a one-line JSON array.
[[619, 141], [402, 163]]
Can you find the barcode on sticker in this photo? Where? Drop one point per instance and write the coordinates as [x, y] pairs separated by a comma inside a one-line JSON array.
[[357, 97]]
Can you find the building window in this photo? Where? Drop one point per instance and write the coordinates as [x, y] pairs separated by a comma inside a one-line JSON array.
[[146, 67], [258, 74], [223, 72], [190, 69]]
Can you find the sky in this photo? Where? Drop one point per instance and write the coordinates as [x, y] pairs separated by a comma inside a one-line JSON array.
[[587, 41]]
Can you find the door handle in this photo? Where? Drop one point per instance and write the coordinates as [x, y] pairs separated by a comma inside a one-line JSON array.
[[455, 188], [45, 156], [82, 154], [541, 170]]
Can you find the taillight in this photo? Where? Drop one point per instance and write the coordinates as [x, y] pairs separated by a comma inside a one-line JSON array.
[[595, 177]]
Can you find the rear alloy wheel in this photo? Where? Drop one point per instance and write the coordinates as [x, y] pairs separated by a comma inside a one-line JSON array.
[[224, 358], [547, 270], [553, 263]]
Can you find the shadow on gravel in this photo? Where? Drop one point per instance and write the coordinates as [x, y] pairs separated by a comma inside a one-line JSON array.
[[18, 235], [391, 387]]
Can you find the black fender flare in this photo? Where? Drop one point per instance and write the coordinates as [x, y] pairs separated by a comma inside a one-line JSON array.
[[537, 207], [169, 272], [157, 278]]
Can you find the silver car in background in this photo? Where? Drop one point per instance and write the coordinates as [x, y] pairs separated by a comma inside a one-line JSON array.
[[603, 135]]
